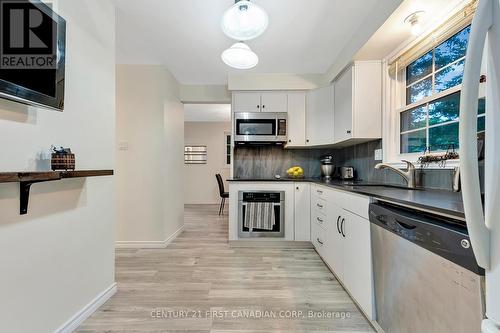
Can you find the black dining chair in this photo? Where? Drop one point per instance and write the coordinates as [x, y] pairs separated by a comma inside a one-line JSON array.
[[223, 194]]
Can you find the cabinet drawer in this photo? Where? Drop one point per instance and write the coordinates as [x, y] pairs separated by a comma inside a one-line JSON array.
[[318, 238], [320, 220], [319, 192], [320, 205]]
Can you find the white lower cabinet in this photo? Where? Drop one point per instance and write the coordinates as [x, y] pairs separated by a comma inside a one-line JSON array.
[[357, 254], [302, 212], [345, 243], [335, 254]]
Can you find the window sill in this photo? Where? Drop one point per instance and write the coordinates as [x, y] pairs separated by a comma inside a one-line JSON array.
[[451, 164]]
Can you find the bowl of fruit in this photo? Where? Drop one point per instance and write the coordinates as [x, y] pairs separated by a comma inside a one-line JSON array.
[[295, 172]]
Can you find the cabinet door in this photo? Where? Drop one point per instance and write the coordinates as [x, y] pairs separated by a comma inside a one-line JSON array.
[[335, 251], [296, 119], [358, 260], [246, 102], [302, 212], [274, 102], [320, 116], [344, 106]]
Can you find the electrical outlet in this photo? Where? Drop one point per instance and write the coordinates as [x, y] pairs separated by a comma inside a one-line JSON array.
[[378, 154]]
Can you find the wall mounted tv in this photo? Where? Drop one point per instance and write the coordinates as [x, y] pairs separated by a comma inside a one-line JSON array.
[[32, 54]]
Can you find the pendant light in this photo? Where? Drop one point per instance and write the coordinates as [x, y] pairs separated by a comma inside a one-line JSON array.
[[240, 56], [244, 21]]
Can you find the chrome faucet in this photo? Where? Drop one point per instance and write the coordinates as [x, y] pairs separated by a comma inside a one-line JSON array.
[[408, 174]]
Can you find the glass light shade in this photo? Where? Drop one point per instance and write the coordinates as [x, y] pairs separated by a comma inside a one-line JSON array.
[[416, 28], [240, 56], [244, 21]]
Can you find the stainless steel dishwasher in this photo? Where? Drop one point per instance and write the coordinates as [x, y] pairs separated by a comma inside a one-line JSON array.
[[425, 274]]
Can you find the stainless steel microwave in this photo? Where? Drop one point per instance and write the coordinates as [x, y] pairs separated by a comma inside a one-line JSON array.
[[260, 127]]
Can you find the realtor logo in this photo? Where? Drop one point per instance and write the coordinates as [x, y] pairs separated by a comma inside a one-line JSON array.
[[28, 36]]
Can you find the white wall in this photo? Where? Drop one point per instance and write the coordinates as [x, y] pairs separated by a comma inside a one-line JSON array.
[[150, 160], [274, 81], [217, 94], [60, 256], [200, 183]]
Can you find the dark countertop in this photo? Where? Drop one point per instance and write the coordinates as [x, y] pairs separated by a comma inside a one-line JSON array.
[[437, 201]]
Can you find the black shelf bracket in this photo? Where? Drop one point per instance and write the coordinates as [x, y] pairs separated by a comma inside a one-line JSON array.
[[24, 195]]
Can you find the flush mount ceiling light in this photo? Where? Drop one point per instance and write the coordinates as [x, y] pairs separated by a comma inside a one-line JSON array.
[[244, 21], [240, 56], [414, 21]]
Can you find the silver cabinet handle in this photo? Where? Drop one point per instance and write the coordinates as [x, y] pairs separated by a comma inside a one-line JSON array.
[[338, 227], [319, 206], [319, 241], [320, 220], [342, 227], [319, 191]]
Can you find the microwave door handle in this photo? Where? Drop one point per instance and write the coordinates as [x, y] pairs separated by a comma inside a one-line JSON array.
[[471, 192], [277, 127]]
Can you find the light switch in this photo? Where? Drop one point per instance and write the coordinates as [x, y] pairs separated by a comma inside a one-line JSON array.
[[123, 145], [378, 154]]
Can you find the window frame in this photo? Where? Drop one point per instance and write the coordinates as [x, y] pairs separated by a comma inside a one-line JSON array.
[[395, 103], [425, 102]]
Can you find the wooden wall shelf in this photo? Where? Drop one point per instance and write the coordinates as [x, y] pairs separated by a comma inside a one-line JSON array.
[[26, 179]]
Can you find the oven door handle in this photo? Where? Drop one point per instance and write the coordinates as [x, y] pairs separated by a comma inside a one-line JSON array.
[[274, 204]]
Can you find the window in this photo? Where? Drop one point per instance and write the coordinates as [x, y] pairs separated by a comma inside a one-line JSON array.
[[227, 137], [430, 119], [438, 70], [435, 124], [195, 154]]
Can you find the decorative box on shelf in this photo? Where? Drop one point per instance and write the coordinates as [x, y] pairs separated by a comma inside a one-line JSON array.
[[62, 159]]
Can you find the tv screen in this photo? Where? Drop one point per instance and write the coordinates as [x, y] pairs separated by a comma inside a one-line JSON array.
[[32, 51]]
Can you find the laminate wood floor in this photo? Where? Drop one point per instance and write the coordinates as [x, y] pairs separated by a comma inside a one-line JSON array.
[[200, 284]]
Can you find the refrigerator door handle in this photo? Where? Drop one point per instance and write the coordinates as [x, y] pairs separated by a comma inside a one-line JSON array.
[[471, 190]]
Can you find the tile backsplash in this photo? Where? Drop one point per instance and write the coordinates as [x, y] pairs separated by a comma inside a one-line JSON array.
[[268, 161]]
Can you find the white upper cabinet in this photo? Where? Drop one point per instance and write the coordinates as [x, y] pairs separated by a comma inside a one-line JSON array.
[[358, 103], [320, 117], [296, 119], [344, 106], [246, 102], [274, 102]]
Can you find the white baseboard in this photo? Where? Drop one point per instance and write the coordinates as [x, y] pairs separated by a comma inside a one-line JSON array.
[[88, 310], [148, 244]]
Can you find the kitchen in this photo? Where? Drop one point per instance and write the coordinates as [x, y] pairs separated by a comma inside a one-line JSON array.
[[375, 225], [251, 166]]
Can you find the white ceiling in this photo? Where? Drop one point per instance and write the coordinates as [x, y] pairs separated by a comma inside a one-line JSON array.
[[207, 112], [304, 36], [395, 32]]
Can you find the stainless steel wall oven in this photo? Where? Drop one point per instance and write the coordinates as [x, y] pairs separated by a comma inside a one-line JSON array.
[[277, 198]]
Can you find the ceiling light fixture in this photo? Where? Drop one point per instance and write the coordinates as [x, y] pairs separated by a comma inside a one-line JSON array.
[[244, 21], [414, 21], [240, 56]]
